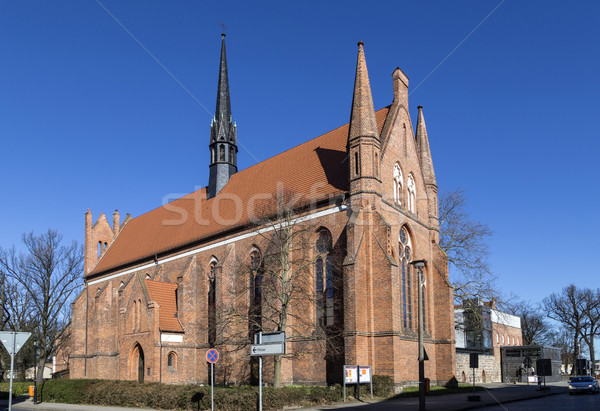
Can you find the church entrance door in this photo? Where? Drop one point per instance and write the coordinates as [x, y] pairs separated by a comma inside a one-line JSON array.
[[138, 357]]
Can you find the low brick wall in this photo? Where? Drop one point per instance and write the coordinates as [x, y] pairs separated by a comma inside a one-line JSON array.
[[488, 371]]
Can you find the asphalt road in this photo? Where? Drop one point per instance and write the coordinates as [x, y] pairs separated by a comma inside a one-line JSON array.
[[563, 402]]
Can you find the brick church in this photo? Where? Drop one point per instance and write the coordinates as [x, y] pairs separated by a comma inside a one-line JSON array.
[[162, 288]]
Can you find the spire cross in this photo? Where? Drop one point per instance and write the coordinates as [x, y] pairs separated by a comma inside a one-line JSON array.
[[223, 26]]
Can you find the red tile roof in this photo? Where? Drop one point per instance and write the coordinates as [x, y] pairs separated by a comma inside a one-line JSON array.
[[165, 295], [316, 170]]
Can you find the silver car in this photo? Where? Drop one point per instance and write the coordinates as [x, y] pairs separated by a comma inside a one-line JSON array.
[[583, 384]]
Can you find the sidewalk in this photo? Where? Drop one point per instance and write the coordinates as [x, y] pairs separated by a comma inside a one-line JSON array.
[[494, 394], [26, 403]]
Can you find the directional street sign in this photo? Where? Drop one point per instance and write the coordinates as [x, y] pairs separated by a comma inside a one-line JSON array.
[[13, 341], [267, 338], [267, 349], [212, 355]]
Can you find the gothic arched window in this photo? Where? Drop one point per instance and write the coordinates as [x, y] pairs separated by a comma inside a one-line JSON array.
[[405, 140], [412, 193], [406, 280], [324, 290], [231, 160], [397, 184], [221, 152], [172, 361], [255, 294], [134, 316], [212, 303]]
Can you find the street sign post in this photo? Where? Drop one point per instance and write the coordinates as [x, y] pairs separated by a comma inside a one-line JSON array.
[[212, 356], [13, 341], [473, 363], [267, 338], [266, 344]]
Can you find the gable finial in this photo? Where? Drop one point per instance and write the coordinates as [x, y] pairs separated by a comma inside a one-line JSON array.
[[223, 27]]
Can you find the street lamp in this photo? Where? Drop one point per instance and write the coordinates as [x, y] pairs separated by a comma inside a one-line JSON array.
[[419, 264], [35, 348]]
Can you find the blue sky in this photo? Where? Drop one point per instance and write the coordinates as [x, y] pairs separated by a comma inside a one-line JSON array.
[[89, 119]]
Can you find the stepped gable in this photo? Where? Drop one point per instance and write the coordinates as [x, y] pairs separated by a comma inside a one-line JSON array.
[[316, 170], [164, 294]]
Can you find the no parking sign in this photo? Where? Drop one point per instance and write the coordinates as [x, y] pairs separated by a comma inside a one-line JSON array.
[[212, 355]]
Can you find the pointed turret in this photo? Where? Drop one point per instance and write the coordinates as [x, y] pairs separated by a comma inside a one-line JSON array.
[[363, 137], [362, 121], [424, 151], [427, 168], [223, 133]]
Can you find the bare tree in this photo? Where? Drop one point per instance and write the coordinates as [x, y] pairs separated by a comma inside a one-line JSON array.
[[278, 289], [465, 243], [50, 274], [569, 308], [4, 313], [18, 307], [534, 325], [591, 325], [563, 339], [16, 310], [4, 316]]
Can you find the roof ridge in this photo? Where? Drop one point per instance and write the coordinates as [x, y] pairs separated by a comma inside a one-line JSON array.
[[308, 141], [255, 165]]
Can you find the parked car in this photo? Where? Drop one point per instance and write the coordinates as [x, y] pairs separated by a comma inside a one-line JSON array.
[[583, 384]]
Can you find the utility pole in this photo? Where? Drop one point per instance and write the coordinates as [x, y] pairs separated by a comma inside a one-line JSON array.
[[419, 264]]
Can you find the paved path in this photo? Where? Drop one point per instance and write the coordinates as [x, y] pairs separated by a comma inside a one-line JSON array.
[[494, 395], [24, 403], [563, 402]]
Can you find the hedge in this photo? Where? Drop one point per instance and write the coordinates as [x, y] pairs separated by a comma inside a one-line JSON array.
[[185, 397], [196, 397]]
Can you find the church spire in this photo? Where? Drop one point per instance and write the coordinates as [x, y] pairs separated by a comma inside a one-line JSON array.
[[223, 100], [363, 137], [223, 133]]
